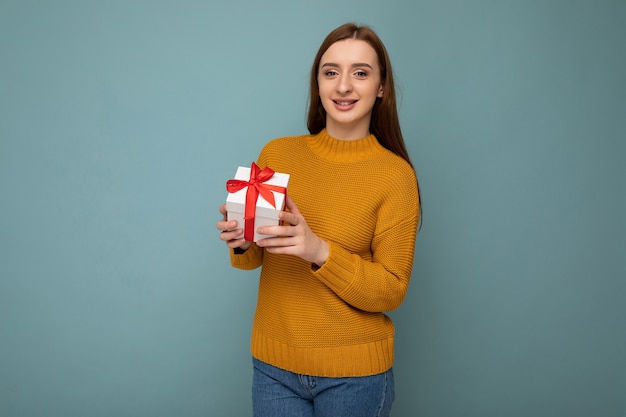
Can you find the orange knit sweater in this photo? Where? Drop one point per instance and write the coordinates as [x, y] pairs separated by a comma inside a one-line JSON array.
[[363, 200]]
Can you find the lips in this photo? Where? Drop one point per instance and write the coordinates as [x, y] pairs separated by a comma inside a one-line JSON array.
[[344, 102]]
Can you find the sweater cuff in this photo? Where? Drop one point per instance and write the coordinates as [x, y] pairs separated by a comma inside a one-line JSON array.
[[248, 259], [339, 269]]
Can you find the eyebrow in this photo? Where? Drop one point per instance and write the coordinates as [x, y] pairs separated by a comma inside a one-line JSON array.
[[358, 64]]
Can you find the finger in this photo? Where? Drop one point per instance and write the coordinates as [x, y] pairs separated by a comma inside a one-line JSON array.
[[236, 243], [290, 218], [275, 242], [291, 206], [225, 225], [272, 231], [223, 212], [231, 235]]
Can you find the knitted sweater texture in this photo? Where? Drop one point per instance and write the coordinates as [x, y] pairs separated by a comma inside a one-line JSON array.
[[363, 200]]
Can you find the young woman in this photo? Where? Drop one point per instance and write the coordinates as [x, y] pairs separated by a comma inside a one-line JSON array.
[[321, 343]]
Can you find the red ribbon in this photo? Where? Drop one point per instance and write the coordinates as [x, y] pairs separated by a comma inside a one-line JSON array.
[[255, 186]]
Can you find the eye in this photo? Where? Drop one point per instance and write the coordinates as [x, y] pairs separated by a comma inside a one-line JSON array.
[[330, 73], [360, 74]]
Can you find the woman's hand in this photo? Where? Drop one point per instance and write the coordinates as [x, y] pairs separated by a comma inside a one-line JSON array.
[[230, 233], [296, 238]]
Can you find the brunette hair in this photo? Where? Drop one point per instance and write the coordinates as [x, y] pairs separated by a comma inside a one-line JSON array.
[[384, 123]]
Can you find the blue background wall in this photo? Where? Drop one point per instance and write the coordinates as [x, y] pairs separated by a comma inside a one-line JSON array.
[[120, 122]]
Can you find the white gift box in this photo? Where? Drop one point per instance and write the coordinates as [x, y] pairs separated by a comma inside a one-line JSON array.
[[266, 214]]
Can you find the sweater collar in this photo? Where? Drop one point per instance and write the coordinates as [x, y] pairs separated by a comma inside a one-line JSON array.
[[332, 149]]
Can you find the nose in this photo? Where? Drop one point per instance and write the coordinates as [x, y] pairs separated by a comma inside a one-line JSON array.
[[345, 84]]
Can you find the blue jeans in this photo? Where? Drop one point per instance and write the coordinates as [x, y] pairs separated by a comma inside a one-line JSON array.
[[280, 393]]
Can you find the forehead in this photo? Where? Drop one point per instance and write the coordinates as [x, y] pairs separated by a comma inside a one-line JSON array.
[[349, 51]]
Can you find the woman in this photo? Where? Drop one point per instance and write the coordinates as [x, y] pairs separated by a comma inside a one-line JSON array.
[[321, 343]]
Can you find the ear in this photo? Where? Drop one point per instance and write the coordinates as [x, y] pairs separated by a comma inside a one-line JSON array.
[[380, 91]]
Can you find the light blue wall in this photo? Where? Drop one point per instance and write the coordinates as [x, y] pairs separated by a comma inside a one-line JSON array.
[[120, 122]]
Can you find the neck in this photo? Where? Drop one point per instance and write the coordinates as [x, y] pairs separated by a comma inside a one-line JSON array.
[[346, 132]]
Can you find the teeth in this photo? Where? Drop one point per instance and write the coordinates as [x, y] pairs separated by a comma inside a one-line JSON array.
[[344, 103]]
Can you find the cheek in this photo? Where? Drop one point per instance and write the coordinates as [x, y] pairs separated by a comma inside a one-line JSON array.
[[325, 95], [375, 92], [323, 88]]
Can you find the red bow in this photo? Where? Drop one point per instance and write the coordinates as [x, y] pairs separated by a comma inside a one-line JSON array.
[[255, 186]]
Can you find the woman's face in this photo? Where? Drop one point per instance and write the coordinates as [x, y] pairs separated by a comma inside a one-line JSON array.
[[349, 83]]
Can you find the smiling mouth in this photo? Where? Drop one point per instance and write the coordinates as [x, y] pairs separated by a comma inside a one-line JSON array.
[[345, 103]]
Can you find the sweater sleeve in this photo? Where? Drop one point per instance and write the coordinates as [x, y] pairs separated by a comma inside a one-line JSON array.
[[250, 259], [379, 284]]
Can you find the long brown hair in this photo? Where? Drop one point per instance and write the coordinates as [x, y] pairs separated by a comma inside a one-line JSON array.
[[384, 123]]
